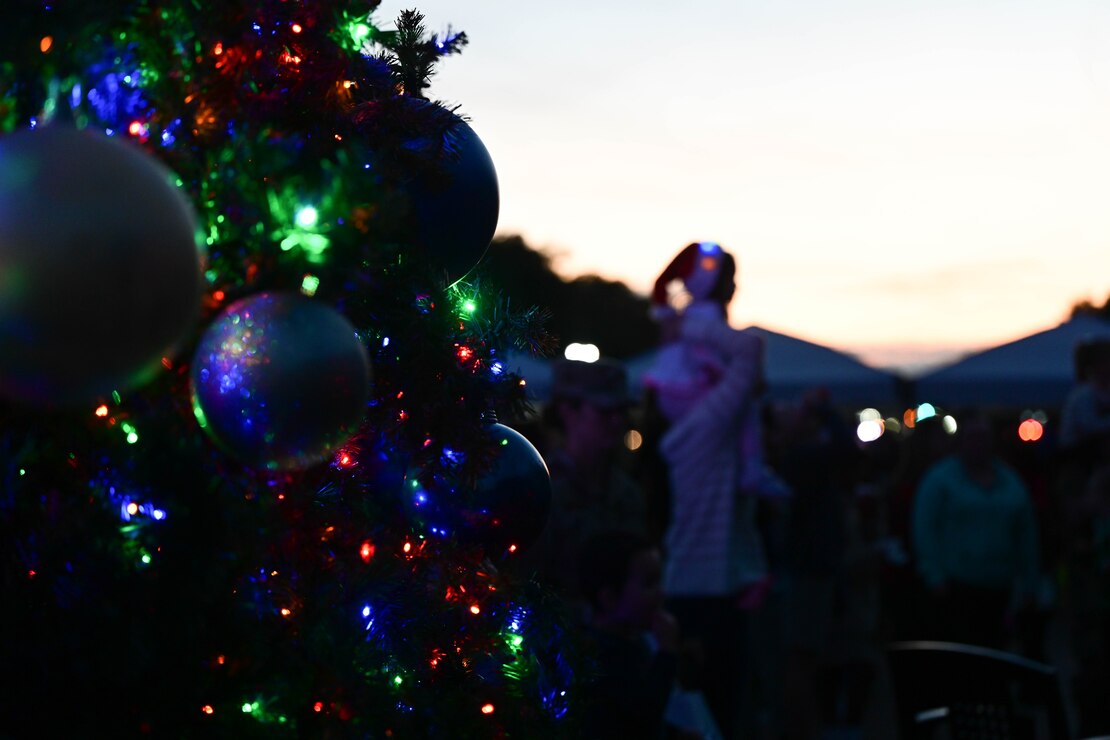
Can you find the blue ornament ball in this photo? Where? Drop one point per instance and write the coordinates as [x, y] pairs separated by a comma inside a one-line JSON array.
[[455, 210], [280, 381], [100, 266], [504, 511]]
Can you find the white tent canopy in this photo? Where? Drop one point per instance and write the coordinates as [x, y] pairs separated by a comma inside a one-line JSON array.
[[1036, 370], [791, 366]]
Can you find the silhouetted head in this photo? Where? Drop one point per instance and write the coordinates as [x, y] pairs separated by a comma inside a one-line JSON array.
[[706, 271], [975, 439], [590, 403], [1097, 369], [725, 287]]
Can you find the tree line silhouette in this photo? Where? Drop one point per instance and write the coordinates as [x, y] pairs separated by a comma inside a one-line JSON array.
[[585, 309], [1087, 308]]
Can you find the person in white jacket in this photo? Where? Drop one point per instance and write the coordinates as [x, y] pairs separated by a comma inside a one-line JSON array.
[[706, 382]]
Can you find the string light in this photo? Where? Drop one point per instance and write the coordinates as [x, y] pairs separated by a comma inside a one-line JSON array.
[[130, 431], [306, 217], [487, 709], [318, 706], [366, 551], [102, 410], [360, 33], [46, 43], [207, 709], [309, 284]]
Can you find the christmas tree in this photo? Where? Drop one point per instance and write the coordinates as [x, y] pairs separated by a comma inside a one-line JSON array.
[[253, 482]]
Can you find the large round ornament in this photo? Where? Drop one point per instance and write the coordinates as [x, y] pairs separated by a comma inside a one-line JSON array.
[[505, 511], [280, 381], [100, 267], [456, 207]]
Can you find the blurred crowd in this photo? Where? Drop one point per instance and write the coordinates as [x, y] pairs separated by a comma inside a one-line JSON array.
[[739, 567]]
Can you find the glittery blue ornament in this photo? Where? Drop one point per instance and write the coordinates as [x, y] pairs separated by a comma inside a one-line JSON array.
[[280, 381]]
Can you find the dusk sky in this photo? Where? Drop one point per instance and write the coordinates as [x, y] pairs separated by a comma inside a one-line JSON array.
[[895, 178]]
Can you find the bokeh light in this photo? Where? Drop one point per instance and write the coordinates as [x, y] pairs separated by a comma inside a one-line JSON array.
[[582, 352], [633, 440], [1030, 430], [870, 430]]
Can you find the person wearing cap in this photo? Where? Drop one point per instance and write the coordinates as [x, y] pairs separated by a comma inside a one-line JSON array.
[[706, 382], [591, 492]]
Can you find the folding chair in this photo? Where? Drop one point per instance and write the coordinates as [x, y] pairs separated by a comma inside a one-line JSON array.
[[963, 692]]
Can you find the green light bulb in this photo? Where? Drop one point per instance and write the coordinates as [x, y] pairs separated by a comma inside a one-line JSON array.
[[307, 217], [360, 32]]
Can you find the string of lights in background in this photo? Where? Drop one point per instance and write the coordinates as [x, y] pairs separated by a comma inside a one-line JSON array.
[[872, 424]]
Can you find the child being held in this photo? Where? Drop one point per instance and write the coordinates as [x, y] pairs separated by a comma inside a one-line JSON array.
[[702, 347]]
